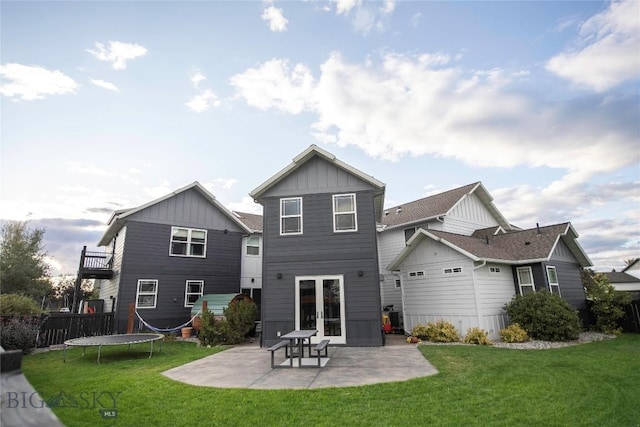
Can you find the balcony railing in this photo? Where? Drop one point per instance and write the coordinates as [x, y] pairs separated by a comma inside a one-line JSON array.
[[96, 265]]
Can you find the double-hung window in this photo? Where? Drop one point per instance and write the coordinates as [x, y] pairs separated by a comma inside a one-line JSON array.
[[525, 280], [192, 292], [291, 216], [147, 293], [345, 217], [552, 276], [189, 242], [408, 233], [253, 245]]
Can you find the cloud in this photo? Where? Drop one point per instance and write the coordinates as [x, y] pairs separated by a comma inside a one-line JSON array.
[[196, 78], [608, 52], [275, 85], [105, 85], [247, 205], [118, 53], [204, 101], [32, 82], [275, 18], [365, 16], [220, 183]]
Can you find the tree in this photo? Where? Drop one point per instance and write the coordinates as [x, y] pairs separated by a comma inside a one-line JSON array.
[[23, 269], [606, 304], [62, 293]]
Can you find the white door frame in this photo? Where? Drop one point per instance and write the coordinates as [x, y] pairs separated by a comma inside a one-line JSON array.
[[339, 339]]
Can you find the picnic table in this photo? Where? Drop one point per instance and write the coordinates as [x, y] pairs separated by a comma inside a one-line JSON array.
[[297, 339]]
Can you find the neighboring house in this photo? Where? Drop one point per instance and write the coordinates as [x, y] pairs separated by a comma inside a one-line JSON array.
[[320, 260], [628, 279], [169, 252], [467, 280], [251, 268], [461, 210]]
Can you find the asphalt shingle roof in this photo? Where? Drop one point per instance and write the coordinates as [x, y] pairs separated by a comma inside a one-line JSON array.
[[428, 207], [252, 221], [621, 277]]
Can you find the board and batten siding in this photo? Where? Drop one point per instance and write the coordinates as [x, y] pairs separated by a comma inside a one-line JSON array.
[[186, 209], [109, 287], [147, 256], [569, 278], [320, 251], [468, 216], [436, 295]]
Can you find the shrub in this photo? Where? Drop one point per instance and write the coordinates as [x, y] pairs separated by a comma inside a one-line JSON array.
[[513, 333], [544, 316], [605, 303], [420, 331], [16, 304], [19, 334], [441, 331], [238, 321], [477, 336]]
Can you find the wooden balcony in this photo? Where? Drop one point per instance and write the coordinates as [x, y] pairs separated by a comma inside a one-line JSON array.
[[95, 265]]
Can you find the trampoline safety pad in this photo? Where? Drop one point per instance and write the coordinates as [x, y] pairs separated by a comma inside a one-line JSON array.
[[109, 340]]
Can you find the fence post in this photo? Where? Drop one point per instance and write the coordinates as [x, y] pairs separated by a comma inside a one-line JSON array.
[[132, 311]]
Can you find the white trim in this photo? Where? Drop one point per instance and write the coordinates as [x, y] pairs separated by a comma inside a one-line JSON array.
[[354, 212], [452, 270], [188, 242], [342, 339], [187, 293], [282, 233], [247, 245], [520, 285], [549, 283], [154, 293], [415, 275], [494, 269]]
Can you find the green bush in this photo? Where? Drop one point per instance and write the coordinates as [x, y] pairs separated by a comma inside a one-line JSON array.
[[439, 331], [16, 304], [513, 333], [605, 302], [19, 334], [239, 319], [477, 336], [544, 316]]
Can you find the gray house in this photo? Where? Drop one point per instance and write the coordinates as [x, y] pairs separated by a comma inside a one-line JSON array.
[[320, 268], [169, 252], [467, 280]]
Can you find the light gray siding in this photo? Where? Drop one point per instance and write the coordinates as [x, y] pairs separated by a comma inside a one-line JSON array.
[[495, 289], [109, 288], [251, 269], [468, 216]]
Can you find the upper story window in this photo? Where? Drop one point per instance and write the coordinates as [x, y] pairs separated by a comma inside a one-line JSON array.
[[147, 293], [525, 280], [408, 233], [188, 242], [291, 215], [495, 270], [344, 213], [253, 245], [452, 270], [192, 292], [416, 274], [552, 276]]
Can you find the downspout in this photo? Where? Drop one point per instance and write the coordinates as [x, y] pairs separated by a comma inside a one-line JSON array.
[[476, 293]]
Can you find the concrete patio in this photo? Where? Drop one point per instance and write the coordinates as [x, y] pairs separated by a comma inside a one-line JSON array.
[[249, 366]]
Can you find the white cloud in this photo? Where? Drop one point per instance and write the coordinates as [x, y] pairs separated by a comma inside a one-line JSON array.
[[275, 85], [609, 52], [118, 53], [423, 105], [204, 101], [275, 18], [105, 85], [32, 82], [220, 183], [365, 16], [246, 205], [196, 78]]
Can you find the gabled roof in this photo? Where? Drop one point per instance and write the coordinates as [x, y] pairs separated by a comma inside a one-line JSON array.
[[519, 247], [489, 231], [633, 264], [119, 217], [440, 205], [308, 154], [620, 277], [253, 221]]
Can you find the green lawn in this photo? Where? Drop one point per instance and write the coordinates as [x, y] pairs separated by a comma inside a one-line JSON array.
[[596, 384]]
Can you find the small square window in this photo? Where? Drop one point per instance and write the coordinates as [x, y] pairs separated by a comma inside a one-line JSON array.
[[147, 293], [193, 291], [253, 245]]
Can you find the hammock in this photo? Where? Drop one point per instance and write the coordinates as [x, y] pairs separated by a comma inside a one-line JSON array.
[[153, 328]]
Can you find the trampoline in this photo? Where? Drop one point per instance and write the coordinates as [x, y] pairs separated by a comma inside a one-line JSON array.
[[108, 340]]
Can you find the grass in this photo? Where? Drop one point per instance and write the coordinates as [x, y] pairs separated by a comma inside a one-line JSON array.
[[595, 384]]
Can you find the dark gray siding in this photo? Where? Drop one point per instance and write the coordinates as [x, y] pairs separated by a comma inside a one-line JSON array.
[[146, 256], [320, 251]]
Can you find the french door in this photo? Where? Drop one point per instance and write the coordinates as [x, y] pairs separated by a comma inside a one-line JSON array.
[[320, 306]]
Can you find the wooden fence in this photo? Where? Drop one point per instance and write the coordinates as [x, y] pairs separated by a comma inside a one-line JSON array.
[[56, 328], [631, 320]]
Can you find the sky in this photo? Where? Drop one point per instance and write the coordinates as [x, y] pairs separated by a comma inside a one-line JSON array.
[[108, 105]]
